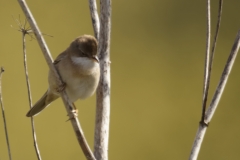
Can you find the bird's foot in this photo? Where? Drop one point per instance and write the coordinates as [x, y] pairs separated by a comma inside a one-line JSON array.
[[73, 115]]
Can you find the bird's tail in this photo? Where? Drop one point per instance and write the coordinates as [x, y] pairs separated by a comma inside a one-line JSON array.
[[41, 104]]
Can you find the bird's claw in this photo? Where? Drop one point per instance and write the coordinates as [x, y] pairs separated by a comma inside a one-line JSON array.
[[73, 115]]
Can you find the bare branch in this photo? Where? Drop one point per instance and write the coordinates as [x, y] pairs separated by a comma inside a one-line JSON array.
[[24, 32], [103, 91], [216, 98], [27, 31], [218, 25], [211, 58], [215, 37], [3, 115], [226, 72], [206, 68], [68, 105], [94, 16]]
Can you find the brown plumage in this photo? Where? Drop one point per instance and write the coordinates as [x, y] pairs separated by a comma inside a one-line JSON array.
[[79, 68]]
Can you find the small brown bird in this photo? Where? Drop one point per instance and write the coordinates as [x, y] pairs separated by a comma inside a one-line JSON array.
[[79, 68]]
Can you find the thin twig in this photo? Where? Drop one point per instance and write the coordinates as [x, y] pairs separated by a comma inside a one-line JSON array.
[[216, 98], [27, 31], [3, 115], [206, 67], [216, 36], [223, 80], [29, 96], [211, 58], [103, 91], [94, 16], [207, 75], [68, 105]]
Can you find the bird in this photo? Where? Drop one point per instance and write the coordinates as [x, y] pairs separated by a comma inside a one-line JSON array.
[[79, 69]]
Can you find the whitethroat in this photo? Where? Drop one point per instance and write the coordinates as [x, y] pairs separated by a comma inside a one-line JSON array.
[[79, 69]]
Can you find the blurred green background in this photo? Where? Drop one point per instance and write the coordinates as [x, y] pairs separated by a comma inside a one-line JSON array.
[[157, 55]]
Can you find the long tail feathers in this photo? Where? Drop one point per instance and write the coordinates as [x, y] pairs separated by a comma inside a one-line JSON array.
[[41, 104]]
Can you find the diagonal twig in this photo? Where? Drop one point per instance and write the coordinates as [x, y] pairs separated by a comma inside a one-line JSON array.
[[68, 105], [218, 93], [94, 16], [216, 98], [3, 115]]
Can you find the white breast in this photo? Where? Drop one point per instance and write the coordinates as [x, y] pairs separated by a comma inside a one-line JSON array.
[[85, 84], [86, 64]]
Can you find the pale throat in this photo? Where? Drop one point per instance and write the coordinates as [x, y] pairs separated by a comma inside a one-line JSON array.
[[85, 63]]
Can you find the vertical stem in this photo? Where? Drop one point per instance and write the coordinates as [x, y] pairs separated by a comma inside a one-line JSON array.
[[216, 34], [206, 68], [29, 96], [3, 115], [211, 59], [103, 91]]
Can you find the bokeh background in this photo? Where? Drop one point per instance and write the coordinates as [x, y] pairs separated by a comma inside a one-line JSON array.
[[157, 55]]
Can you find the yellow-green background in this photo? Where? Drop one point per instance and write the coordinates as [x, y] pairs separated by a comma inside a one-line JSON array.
[[157, 55]]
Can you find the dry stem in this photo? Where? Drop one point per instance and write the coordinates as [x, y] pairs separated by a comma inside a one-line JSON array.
[[216, 98], [24, 32], [3, 115], [103, 91], [206, 68], [209, 69], [94, 16]]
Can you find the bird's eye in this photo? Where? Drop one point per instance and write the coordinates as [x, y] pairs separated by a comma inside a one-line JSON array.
[[84, 54]]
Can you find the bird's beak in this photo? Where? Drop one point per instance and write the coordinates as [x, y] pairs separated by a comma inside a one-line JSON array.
[[95, 58]]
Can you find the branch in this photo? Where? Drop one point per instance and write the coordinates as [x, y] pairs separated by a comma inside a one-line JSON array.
[[24, 32], [207, 74], [216, 35], [223, 80], [103, 91], [3, 115], [68, 105], [216, 98], [206, 68], [94, 16], [211, 59]]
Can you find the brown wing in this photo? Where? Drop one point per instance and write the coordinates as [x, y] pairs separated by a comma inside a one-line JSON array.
[[60, 57]]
